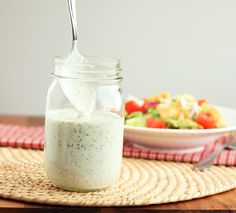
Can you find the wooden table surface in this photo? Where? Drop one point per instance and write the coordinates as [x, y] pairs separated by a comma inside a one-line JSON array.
[[223, 201]]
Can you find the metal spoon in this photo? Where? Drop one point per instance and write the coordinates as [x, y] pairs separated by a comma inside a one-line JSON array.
[[73, 19], [208, 161]]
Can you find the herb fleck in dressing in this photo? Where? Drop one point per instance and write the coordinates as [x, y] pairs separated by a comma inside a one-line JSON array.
[[83, 154]]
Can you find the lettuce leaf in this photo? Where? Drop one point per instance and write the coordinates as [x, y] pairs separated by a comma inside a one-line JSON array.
[[154, 113]]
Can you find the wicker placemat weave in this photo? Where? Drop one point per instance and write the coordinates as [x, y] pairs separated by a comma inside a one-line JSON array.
[[142, 182]]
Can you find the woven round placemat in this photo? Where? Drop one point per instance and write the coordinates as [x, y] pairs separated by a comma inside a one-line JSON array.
[[142, 182]]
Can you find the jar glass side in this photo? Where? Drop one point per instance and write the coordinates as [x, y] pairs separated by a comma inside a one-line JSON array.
[[81, 153]]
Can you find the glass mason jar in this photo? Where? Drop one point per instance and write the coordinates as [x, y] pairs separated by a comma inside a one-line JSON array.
[[84, 125]]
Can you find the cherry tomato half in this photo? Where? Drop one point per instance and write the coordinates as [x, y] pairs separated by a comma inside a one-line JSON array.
[[206, 120], [155, 123], [132, 106]]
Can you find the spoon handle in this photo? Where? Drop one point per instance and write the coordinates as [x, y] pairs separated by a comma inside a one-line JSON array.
[[231, 147], [209, 160], [72, 10]]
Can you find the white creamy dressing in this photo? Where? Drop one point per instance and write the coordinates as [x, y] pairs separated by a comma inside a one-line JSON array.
[[83, 154]]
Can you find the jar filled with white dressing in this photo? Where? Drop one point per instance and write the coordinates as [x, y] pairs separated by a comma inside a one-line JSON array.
[[84, 124]]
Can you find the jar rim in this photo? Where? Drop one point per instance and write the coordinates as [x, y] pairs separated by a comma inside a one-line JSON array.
[[92, 69], [90, 60], [92, 80]]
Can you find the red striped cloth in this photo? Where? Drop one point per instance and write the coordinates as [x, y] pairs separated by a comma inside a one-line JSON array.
[[33, 137], [21, 136], [227, 157]]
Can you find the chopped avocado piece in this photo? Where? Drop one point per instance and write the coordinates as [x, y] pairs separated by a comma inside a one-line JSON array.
[[181, 123], [136, 121], [134, 114], [172, 123]]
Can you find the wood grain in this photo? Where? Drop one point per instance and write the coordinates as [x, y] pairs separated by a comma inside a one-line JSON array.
[[223, 201]]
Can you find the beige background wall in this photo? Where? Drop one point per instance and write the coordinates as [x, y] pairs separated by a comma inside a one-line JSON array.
[[174, 45]]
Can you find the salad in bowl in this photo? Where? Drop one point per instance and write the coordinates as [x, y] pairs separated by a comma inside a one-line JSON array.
[[178, 124], [178, 112]]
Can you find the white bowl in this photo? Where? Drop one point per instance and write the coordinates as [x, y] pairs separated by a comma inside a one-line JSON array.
[[177, 140]]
